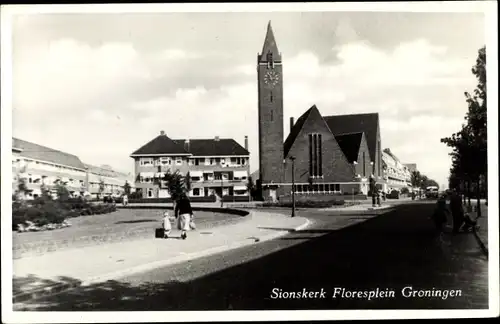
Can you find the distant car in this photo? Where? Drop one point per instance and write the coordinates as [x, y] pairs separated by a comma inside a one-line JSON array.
[[432, 192], [394, 194]]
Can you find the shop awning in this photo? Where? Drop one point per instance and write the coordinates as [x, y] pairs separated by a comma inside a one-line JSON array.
[[240, 188], [240, 174], [147, 174], [196, 174]]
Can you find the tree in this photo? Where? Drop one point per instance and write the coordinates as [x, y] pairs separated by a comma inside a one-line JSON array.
[[102, 186], [127, 188], [63, 193], [176, 184], [469, 146], [251, 187]]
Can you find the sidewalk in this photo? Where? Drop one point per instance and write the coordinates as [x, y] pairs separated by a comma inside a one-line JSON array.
[[53, 272]]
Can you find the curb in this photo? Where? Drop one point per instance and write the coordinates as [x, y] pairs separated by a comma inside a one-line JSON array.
[[59, 288]]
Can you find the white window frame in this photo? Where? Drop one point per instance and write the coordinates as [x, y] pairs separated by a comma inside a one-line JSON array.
[[143, 160], [178, 160], [165, 160]]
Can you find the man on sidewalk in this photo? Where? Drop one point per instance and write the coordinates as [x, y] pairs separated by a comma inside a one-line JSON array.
[[457, 211]]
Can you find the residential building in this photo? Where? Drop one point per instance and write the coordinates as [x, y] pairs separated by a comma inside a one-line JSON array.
[[332, 154], [215, 166], [411, 166], [103, 180], [397, 174], [43, 166]]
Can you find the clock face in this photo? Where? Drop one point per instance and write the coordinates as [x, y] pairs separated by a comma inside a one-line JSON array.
[[271, 78]]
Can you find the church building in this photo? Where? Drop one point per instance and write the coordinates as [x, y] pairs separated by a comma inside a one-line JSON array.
[[325, 155]]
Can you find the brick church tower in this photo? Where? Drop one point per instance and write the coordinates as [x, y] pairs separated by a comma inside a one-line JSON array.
[[270, 92]]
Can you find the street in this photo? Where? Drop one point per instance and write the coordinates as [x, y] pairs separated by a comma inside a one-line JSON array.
[[386, 253]]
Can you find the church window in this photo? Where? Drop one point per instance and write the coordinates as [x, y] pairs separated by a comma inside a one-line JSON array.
[[271, 97], [270, 61], [272, 115], [315, 156], [364, 165]]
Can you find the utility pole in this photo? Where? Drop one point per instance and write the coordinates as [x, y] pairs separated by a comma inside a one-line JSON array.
[[293, 185]]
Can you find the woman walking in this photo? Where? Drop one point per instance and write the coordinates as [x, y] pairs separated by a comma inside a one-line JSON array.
[[184, 213]]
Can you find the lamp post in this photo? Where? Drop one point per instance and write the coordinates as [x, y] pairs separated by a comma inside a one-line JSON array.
[[221, 190], [292, 158]]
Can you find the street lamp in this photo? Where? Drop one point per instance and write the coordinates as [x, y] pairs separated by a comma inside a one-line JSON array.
[[221, 190], [292, 158]]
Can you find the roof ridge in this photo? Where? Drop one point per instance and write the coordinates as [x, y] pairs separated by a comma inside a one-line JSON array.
[[51, 149], [359, 114]]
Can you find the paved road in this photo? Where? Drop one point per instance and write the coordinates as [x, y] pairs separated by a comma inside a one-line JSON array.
[[390, 252]]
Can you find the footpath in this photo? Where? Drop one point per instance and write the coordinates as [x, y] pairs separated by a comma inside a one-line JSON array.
[[54, 272], [37, 276]]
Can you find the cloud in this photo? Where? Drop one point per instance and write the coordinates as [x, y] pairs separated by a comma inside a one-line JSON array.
[[120, 97]]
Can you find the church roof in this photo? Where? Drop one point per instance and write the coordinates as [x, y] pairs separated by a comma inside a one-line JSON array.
[[270, 46], [350, 144], [294, 132], [363, 123]]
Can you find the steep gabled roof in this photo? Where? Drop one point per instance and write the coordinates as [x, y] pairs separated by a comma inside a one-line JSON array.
[[350, 144], [161, 144], [296, 130], [43, 153], [364, 123], [213, 147]]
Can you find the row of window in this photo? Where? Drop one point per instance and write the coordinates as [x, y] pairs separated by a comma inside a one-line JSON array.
[[206, 177], [166, 161], [197, 192], [46, 166], [318, 188]]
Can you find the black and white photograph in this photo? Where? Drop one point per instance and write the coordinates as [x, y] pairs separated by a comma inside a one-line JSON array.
[[249, 161]]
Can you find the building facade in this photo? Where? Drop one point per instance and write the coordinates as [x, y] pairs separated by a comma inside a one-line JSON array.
[[104, 181], [397, 174], [41, 166], [214, 166]]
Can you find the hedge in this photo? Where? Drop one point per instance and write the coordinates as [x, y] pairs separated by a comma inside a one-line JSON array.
[[44, 210]]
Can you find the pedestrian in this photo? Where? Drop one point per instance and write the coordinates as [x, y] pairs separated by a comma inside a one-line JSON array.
[[185, 212], [457, 211], [125, 200], [440, 214], [167, 225]]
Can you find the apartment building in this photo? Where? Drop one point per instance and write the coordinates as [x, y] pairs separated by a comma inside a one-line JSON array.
[[112, 181], [43, 166], [396, 174], [215, 166]]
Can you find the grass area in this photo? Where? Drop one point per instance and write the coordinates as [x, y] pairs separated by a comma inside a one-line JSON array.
[[124, 224]]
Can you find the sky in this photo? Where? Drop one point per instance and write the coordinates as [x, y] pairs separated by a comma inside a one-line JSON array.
[[102, 85]]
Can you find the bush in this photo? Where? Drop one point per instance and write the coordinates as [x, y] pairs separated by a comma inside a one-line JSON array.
[[45, 210]]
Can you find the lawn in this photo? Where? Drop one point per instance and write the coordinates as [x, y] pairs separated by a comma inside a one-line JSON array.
[[124, 224]]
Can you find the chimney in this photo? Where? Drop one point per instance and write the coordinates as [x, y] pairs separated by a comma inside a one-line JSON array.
[[186, 145], [216, 138], [162, 132], [291, 123], [246, 143]]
